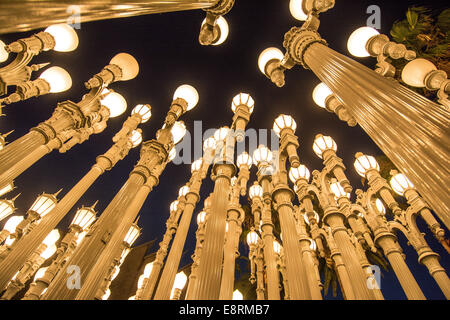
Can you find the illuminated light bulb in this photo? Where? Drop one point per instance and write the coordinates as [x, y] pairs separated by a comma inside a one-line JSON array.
[[268, 55], [255, 191], [180, 280], [188, 93], [58, 79], [12, 223], [9, 241], [132, 298], [276, 247], [338, 191], [357, 41], [313, 245], [380, 206], [136, 138], [116, 104], [80, 237], [44, 204], [84, 218], [323, 143], [51, 238], [224, 31], [141, 281], [144, 110], [301, 172], [316, 217], [415, 72], [364, 163], [262, 154], [174, 206], [233, 181], [107, 294], [40, 274], [116, 273], [296, 8], [132, 235], [321, 93], [178, 131], [183, 191], [244, 159], [283, 122], [49, 252], [243, 99], [237, 295], [66, 38], [400, 183], [9, 187], [124, 254], [196, 165], [252, 238], [148, 269], [3, 53], [201, 217], [209, 144], [221, 134], [172, 154], [128, 64]]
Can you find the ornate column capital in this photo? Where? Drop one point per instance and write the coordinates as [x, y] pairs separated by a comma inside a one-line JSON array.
[[296, 42]]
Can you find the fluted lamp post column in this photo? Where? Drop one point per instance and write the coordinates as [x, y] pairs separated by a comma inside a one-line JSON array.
[[383, 108], [14, 19], [367, 167], [223, 169], [128, 138], [256, 262], [45, 250], [71, 122], [83, 219], [262, 157]]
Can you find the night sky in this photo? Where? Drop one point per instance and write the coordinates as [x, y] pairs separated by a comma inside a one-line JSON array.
[[167, 49]]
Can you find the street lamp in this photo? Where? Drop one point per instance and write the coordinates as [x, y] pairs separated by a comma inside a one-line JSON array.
[[10, 227], [237, 295], [84, 218], [179, 284], [269, 62], [132, 235], [217, 35], [7, 207]]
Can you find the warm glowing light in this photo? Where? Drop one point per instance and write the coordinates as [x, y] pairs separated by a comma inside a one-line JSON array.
[[6, 208], [84, 218], [316, 217], [243, 99], [313, 245], [244, 159], [80, 237], [283, 122], [188, 93], [268, 55], [128, 64], [107, 294], [3, 53], [136, 138], [364, 163], [400, 183], [301, 172], [415, 72], [209, 144], [144, 110], [201, 217], [321, 93], [9, 241], [276, 247], [141, 281], [255, 191], [58, 79], [357, 41], [66, 38], [40, 274], [115, 273], [252, 238], [224, 30], [172, 154], [221, 134], [44, 204], [124, 254], [338, 191], [184, 190], [196, 165], [48, 252], [51, 238], [132, 235], [178, 131], [116, 104], [323, 143], [148, 270], [12, 223], [180, 281], [237, 295], [9, 187], [132, 298], [380, 206], [174, 206], [262, 154]]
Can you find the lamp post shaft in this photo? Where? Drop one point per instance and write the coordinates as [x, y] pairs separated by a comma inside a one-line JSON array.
[[385, 110], [45, 13]]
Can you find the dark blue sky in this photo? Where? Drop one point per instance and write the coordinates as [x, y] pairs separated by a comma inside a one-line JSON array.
[[169, 55]]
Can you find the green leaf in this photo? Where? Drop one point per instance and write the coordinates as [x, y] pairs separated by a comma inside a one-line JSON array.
[[443, 21], [412, 17]]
